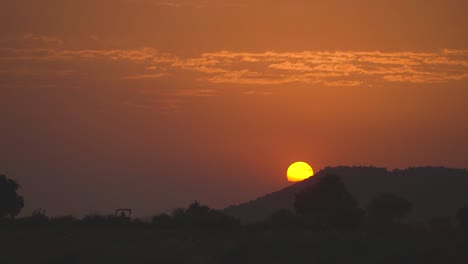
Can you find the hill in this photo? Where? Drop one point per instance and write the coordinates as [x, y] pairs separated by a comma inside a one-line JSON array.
[[433, 191]]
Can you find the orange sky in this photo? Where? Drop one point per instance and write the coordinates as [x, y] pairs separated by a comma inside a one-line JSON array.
[[152, 104]]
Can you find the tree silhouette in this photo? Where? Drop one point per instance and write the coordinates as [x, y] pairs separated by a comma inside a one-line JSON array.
[[462, 217], [388, 209], [196, 216], [328, 205], [197, 210], [10, 202]]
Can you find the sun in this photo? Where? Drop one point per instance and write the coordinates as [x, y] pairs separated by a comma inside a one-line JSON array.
[[299, 171]]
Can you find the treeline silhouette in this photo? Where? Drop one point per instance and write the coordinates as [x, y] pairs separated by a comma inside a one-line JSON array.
[[324, 206], [195, 217], [327, 225], [328, 206], [434, 192]]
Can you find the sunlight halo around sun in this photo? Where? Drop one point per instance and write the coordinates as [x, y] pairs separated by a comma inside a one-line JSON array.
[[299, 171]]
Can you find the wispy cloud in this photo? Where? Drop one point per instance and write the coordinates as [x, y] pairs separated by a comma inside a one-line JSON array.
[[194, 92], [337, 68], [144, 76], [348, 68]]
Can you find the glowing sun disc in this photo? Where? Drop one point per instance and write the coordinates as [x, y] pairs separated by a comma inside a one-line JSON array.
[[299, 171]]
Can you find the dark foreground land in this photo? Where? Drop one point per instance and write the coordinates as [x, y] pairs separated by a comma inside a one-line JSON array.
[[328, 225], [150, 245]]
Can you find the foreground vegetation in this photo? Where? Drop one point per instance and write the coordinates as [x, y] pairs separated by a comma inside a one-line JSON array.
[[327, 226], [201, 235]]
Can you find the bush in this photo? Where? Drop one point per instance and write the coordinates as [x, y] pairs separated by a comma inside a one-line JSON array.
[[196, 216]]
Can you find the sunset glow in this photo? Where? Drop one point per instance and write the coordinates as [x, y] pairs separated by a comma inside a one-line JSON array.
[[185, 99], [161, 130], [299, 171]]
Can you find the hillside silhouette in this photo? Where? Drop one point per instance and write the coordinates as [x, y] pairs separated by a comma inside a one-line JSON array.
[[355, 218], [434, 192]]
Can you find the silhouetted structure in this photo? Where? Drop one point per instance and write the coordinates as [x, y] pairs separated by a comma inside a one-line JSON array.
[[328, 205], [10, 202], [388, 209]]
